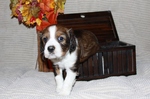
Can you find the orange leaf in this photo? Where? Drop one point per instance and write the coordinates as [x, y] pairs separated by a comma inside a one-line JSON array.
[[47, 5], [43, 25], [52, 17]]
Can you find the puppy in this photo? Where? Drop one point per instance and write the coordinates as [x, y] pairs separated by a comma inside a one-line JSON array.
[[66, 49]]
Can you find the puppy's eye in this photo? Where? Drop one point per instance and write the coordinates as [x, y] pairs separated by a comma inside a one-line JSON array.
[[60, 39], [45, 39]]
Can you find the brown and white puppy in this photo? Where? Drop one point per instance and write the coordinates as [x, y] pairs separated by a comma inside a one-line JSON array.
[[66, 48]]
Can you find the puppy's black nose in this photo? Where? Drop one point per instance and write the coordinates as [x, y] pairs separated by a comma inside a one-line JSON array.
[[51, 48]]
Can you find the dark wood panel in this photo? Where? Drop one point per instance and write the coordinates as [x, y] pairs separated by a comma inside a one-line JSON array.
[[100, 23]]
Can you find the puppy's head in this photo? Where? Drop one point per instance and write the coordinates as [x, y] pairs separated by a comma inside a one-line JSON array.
[[57, 41]]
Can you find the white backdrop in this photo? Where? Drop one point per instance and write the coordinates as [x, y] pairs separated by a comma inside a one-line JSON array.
[[18, 46]]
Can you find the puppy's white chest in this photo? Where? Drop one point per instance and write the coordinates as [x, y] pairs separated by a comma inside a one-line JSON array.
[[68, 61]]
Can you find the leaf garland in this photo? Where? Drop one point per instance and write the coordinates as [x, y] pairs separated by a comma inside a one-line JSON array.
[[39, 13]]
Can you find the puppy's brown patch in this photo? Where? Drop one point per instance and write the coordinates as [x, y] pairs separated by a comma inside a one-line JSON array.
[[56, 70], [45, 36], [88, 44], [62, 32]]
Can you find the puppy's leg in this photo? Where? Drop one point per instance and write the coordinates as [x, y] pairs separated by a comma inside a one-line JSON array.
[[58, 78], [68, 83]]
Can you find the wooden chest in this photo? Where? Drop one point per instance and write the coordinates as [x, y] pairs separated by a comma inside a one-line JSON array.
[[114, 58]]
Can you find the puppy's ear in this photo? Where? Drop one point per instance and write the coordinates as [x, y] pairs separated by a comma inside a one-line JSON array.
[[72, 46]]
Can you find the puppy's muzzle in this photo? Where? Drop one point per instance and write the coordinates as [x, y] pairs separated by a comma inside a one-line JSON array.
[[51, 49]]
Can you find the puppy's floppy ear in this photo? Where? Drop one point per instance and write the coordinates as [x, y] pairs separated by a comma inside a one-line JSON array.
[[72, 46]]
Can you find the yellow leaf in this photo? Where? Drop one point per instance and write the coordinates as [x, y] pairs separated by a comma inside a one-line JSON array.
[[26, 1], [60, 5], [14, 11], [24, 10], [24, 19], [35, 11], [38, 21]]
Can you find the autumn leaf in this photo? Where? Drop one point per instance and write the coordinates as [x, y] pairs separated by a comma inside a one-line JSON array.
[[51, 16], [26, 1], [38, 21], [43, 25], [35, 11], [60, 6], [47, 5], [13, 6], [13, 3]]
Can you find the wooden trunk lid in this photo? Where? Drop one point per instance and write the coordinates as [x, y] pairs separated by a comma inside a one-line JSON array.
[[100, 23]]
